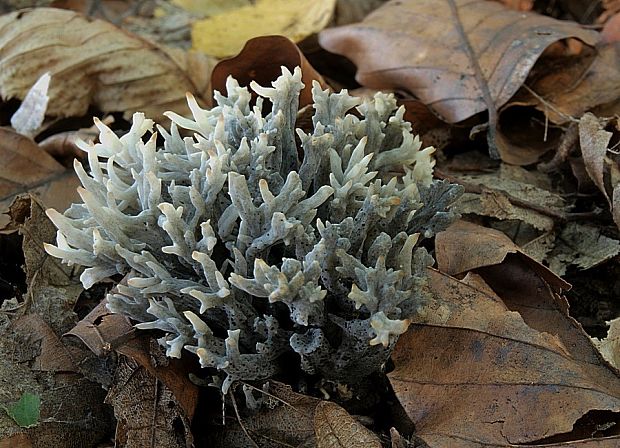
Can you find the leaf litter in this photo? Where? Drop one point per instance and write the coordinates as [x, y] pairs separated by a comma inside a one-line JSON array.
[[495, 358]]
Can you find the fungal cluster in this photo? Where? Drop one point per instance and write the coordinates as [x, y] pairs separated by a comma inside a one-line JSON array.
[[251, 241]]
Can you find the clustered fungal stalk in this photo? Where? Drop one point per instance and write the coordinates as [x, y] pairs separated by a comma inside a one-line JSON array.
[[242, 245]]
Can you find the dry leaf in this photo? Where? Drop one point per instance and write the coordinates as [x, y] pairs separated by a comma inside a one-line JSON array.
[[472, 372], [53, 287], [419, 46], [35, 360], [212, 7], [260, 60], [465, 246], [601, 168], [94, 63], [26, 168], [351, 11], [510, 194], [288, 418], [335, 428], [611, 30], [147, 412], [581, 245], [225, 34]]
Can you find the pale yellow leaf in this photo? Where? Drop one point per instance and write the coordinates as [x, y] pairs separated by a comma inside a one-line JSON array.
[[225, 34], [210, 7]]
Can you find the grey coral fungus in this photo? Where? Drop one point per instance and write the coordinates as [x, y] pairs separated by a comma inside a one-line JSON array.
[[240, 252]]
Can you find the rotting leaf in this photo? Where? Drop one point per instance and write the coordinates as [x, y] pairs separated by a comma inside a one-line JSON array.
[[26, 411], [511, 193], [415, 45], [287, 418], [602, 169], [147, 412], [26, 168], [224, 34], [500, 380], [53, 288], [94, 63], [593, 140], [581, 245], [335, 428], [34, 359]]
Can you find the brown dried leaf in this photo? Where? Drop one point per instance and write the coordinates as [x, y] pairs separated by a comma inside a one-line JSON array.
[[94, 63], [147, 412], [472, 372], [465, 246], [53, 288], [34, 359], [510, 193], [260, 60], [26, 168], [335, 428], [611, 30], [419, 46], [292, 419]]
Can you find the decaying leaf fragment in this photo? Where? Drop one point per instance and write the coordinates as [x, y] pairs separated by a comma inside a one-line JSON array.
[[94, 63], [287, 418], [147, 412], [577, 244], [511, 193]]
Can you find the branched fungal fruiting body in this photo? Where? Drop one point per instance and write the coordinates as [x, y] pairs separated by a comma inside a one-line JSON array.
[[241, 252]]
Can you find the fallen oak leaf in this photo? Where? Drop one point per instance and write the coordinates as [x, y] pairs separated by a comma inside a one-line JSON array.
[[94, 63], [432, 62], [476, 63], [335, 428]]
